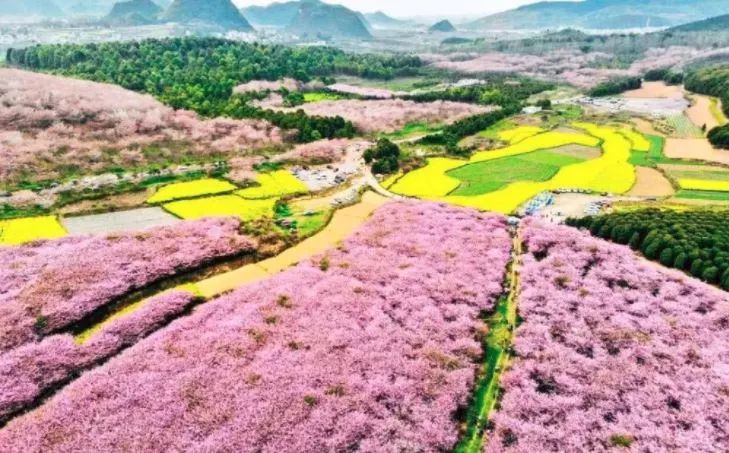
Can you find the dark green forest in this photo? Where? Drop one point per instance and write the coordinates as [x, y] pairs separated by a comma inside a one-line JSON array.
[[616, 86], [199, 73], [693, 241]]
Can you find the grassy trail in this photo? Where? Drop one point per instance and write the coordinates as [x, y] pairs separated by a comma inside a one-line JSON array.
[[502, 324]]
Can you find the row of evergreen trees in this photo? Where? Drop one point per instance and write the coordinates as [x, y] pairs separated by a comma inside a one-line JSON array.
[[693, 241]]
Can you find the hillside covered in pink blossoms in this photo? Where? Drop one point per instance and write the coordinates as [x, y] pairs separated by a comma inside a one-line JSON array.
[[36, 367], [49, 122], [612, 352], [370, 347], [47, 286], [392, 114]]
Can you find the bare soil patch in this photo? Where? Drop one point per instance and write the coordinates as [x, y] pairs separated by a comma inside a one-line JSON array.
[[700, 112], [695, 148], [650, 183], [111, 203], [118, 222], [656, 90], [584, 152], [646, 127]]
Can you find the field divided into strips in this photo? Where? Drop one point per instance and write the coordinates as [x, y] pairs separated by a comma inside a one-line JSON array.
[[638, 141], [247, 204], [191, 189], [654, 156], [514, 136], [274, 184], [19, 231], [222, 206], [611, 172], [710, 185], [683, 127]]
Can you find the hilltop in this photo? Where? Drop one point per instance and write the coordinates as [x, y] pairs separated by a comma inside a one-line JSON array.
[[322, 20], [273, 15], [444, 26], [134, 11], [602, 14], [218, 12], [719, 23], [379, 19]]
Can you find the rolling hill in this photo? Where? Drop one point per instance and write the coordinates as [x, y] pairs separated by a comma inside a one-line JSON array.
[[315, 19], [273, 15], [444, 26], [383, 21], [221, 13], [719, 23], [601, 14]]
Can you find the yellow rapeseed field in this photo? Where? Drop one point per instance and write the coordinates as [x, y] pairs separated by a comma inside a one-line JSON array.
[[704, 184], [19, 231], [191, 189], [609, 173], [274, 184], [518, 134], [430, 181], [222, 206], [538, 142], [637, 140]]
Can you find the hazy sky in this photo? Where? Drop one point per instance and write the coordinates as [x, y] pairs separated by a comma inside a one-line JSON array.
[[419, 7]]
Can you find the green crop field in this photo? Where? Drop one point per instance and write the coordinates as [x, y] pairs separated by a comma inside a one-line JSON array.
[[702, 195], [714, 175], [683, 127], [488, 176], [319, 96], [412, 130]]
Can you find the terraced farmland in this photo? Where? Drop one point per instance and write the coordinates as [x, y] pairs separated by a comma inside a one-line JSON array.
[[504, 191]]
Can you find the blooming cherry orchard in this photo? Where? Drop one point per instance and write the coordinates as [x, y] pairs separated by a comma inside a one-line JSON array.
[[613, 352], [27, 371], [371, 347], [46, 287], [392, 114], [48, 122]]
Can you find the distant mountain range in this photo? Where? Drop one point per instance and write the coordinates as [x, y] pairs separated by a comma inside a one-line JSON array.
[[311, 18], [221, 13], [602, 14], [315, 19]]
